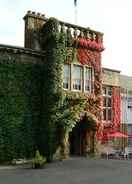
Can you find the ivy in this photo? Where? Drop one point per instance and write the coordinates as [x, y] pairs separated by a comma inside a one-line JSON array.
[[54, 44], [89, 122], [34, 110], [70, 112], [20, 103]]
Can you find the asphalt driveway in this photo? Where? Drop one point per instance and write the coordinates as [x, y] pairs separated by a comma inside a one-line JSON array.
[[72, 171]]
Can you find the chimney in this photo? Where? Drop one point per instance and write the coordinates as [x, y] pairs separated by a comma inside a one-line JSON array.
[[33, 24]]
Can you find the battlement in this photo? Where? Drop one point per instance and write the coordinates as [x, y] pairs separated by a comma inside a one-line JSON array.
[[34, 15]]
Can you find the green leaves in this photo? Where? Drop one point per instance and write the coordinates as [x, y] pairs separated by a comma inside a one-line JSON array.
[[53, 42], [89, 122], [20, 103], [69, 113]]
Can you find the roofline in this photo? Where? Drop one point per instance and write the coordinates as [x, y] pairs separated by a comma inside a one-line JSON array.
[[128, 76], [18, 49], [42, 17], [112, 70]]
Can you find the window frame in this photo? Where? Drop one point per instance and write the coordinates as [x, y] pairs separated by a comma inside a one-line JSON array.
[[69, 81], [83, 78], [107, 96], [91, 79]]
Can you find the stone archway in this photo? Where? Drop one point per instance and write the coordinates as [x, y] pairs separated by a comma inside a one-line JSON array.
[[76, 140], [81, 140], [82, 137]]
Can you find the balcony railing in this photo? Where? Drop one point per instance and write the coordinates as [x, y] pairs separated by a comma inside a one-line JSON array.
[[87, 36]]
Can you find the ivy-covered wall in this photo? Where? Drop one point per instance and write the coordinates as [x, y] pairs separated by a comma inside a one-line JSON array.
[[20, 103], [32, 101], [53, 42]]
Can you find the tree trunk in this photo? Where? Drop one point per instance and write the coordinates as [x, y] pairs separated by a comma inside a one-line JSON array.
[[65, 146]]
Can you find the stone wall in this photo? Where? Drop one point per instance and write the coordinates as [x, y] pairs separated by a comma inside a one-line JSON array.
[[111, 77]]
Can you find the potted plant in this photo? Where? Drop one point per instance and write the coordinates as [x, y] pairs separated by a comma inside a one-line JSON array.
[[38, 161]]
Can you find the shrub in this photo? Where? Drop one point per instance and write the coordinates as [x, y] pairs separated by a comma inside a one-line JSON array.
[[38, 161]]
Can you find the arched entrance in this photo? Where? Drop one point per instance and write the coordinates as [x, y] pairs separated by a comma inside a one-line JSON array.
[[76, 138], [82, 137]]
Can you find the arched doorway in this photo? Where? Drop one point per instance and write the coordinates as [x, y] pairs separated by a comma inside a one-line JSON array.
[[82, 137], [76, 139]]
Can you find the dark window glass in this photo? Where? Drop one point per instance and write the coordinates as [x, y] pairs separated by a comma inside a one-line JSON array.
[[104, 101], [109, 91], [104, 114], [109, 114], [108, 102]]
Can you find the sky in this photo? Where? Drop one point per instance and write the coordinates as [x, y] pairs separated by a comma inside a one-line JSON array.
[[112, 17]]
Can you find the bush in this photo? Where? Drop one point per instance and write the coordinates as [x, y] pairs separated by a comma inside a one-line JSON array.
[[38, 161]]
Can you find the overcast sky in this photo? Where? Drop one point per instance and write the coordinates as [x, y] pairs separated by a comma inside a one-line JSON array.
[[112, 17]]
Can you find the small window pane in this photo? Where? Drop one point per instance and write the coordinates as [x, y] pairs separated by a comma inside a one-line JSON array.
[[104, 114], [104, 101], [88, 79], [109, 114], [104, 91], [77, 77], [109, 91], [129, 104], [66, 77], [109, 102]]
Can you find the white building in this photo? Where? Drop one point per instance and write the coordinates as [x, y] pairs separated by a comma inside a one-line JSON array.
[[126, 104]]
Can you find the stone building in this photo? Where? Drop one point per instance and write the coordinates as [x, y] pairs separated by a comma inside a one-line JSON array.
[[112, 79], [111, 101], [22, 84]]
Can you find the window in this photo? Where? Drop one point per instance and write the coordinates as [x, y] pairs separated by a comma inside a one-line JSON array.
[[109, 91], [129, 132], [66, 77], [130, 104], [104, 91], [108, 101], [109, 114], [129, 110], [104, 114], [107, 105], [77, 77], [88, 79]]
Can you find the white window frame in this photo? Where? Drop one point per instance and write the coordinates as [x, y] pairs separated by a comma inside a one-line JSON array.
[[91, 87], [69, 81], [107, 108], [72, 69], [83, 78]]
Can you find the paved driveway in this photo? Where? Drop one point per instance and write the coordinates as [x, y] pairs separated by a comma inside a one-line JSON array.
[[72, 171]]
